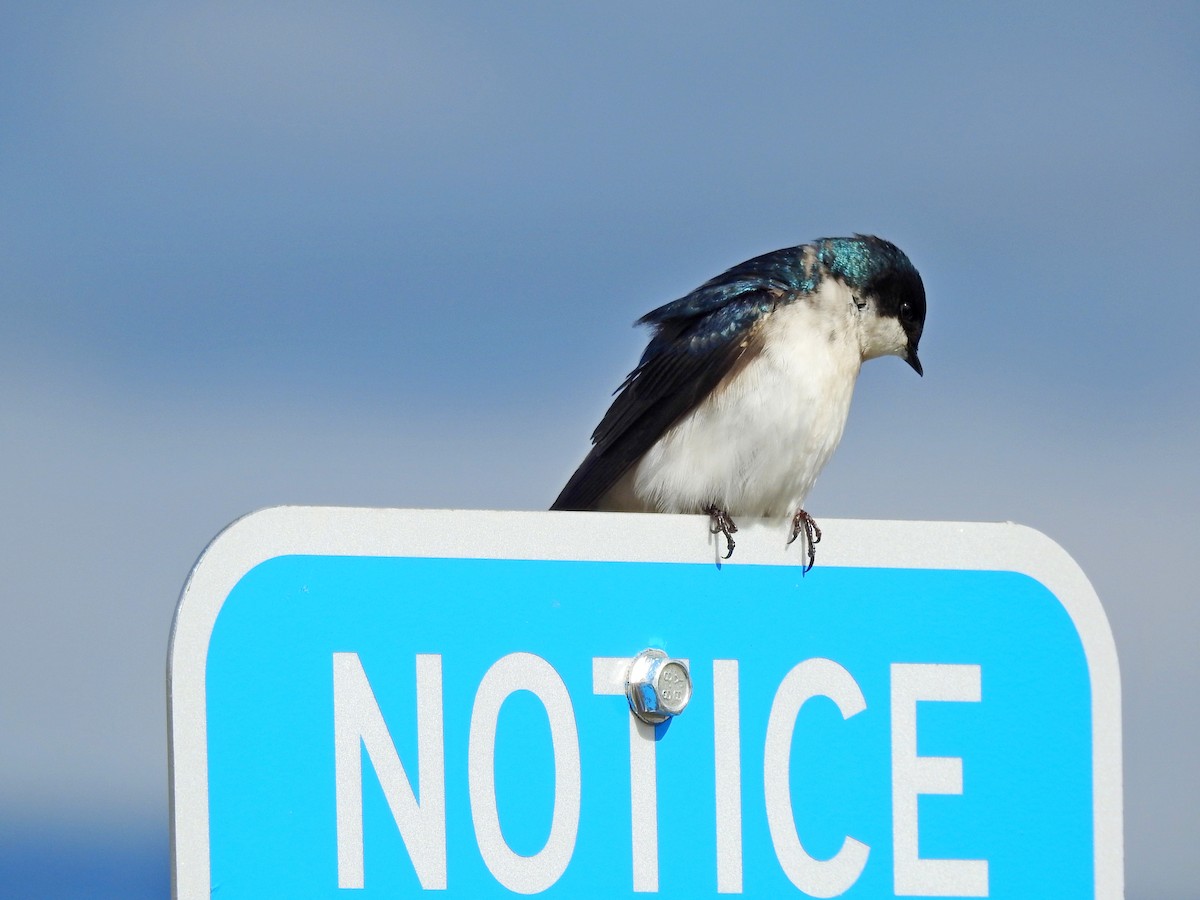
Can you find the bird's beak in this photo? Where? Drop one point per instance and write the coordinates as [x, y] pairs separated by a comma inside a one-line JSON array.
[[912, 360]]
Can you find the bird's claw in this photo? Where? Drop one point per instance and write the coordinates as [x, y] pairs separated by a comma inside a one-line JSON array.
[[722, 524], [812, 536]]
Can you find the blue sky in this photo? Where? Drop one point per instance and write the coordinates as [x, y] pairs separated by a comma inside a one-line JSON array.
[[389, 254]]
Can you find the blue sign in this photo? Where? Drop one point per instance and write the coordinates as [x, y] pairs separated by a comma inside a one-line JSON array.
[[378, 703]]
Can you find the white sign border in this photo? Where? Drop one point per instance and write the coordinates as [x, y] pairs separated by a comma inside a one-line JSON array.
[[627, 537]]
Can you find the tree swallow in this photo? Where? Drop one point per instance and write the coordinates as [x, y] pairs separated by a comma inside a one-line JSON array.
[[742, 394]]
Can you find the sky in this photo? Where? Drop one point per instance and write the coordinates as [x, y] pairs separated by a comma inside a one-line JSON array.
[[389, 254]]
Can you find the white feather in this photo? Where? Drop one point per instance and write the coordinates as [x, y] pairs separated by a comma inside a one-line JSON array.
[[755, 446]]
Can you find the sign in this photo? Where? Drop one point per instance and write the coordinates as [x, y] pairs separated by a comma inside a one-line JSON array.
[[381, 703]]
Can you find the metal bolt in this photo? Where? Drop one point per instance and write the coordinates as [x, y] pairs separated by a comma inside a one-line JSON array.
[[657, 686]]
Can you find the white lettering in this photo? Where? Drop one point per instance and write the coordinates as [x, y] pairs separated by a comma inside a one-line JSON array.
[[608, 677], [727, 743], [359, 728], [913, 775], [810, 678], [511, 673], [357, 722]]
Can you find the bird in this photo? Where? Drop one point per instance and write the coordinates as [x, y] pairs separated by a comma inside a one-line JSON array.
[[741, 395]]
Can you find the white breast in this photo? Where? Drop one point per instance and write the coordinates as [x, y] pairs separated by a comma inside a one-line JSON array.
[[757, 444]]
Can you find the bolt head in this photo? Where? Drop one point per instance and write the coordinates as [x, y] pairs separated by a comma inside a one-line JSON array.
[[657, 686]]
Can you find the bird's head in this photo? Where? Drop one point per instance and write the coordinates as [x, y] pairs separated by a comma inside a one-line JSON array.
[[887, 290]]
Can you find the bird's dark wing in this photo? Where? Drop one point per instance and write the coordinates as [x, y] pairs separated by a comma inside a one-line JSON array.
[[698, 340]]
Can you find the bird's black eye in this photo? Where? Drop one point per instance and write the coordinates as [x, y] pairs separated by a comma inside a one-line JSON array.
[[906, 311]]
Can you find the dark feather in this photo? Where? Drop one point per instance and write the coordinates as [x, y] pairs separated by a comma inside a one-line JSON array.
[[698, 340]]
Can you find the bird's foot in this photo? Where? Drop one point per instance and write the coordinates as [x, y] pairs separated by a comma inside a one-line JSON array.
[[812, 536], [722, 524]]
